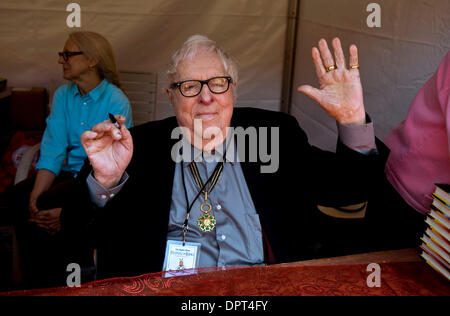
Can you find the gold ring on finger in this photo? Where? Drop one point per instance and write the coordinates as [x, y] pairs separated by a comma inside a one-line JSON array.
[[331, 68], [354, 67]]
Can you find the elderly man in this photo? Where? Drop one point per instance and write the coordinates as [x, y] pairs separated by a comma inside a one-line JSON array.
[[147, 210]]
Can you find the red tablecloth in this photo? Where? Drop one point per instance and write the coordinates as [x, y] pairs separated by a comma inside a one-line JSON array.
[[413, 278]]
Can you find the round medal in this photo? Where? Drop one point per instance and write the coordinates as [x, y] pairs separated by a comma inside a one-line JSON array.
[[206, 222]]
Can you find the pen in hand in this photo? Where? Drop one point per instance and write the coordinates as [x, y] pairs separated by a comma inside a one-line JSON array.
[[115, 122]]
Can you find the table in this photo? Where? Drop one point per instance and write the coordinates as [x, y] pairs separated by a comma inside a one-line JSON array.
[[402, 272]]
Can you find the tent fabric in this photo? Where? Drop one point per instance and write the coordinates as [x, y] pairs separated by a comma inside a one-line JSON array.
[[144, 34], [396, 59]]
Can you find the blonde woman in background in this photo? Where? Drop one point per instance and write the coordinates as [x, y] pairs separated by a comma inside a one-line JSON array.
[[92, 92]]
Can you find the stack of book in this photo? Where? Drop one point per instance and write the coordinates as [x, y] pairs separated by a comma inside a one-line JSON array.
[[436, 240]]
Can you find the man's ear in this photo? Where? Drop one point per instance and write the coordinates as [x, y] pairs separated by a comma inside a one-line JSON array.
[[169, 95], [233, 85]]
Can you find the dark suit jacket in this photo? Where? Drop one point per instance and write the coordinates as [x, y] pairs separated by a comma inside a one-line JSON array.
[[130, 231]]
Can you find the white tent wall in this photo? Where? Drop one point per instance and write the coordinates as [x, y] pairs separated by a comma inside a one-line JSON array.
[[396, 59], [144, 33]]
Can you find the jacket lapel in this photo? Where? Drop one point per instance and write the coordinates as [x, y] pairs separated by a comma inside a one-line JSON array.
[[260, 186]]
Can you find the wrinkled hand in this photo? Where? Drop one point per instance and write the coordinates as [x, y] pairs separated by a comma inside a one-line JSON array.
[[340, 93], [49, 220], [109, 150]]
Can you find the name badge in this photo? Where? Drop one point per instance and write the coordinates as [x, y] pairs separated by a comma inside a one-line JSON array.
[[179, 257]]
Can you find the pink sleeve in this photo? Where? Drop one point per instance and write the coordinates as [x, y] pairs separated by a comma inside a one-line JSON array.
[[443, 88], [419, 157], [444, 98]]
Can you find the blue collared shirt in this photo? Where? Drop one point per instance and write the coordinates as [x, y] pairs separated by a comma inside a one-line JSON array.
[[71, 115], [237, 238]]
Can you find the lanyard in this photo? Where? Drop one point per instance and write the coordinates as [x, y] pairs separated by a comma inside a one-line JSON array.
[[214, 177]]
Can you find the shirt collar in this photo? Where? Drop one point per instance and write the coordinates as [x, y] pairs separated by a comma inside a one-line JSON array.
[[95, 93]]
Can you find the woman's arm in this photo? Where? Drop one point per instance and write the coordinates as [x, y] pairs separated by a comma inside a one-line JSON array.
[[44, 180]]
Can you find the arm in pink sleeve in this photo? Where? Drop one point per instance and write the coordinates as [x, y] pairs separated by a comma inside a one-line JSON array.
[[445, 102], [443, 88]]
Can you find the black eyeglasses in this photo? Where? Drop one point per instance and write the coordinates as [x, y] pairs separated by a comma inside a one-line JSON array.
[[192, 88], [66, 55]]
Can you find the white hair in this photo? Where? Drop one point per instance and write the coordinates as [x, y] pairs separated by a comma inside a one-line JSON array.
[[193, 45]]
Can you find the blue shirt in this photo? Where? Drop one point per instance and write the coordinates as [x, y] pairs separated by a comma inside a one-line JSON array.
[[237, 238], [71, 115]]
